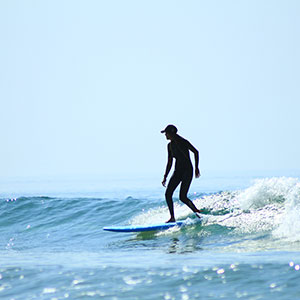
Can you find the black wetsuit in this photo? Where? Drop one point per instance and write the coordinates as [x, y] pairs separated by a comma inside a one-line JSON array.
[[183, 173]]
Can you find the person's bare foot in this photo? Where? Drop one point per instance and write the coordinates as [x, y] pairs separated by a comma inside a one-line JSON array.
[[171, 220]]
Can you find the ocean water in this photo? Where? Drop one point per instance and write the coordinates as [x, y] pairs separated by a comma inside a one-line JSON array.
[[52, 245]]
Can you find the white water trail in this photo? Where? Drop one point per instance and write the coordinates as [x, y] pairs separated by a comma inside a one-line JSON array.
[[269, 205]]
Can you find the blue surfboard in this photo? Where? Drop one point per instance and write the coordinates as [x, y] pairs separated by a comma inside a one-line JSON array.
[[143, 228]]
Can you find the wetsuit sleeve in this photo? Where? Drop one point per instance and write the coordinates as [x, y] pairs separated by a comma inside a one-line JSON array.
[[190, 146], [196, 153], [169, 164], [170, 155]]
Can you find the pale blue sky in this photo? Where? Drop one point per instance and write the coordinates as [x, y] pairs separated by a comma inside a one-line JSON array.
[[86, 86]]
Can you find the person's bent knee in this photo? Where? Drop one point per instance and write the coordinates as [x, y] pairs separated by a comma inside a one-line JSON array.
[[168, 194], [184, 199]]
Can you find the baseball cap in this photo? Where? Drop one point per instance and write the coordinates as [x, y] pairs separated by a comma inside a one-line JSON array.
[[170, 129]]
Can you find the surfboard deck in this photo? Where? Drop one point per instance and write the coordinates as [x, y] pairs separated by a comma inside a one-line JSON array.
[[143, 228]]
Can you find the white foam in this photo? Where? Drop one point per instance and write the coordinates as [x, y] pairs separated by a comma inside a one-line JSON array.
[[264, 206], [289, 228], [266, 191]]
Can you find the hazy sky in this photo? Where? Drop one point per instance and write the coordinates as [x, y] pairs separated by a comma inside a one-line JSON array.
[[86, 86]]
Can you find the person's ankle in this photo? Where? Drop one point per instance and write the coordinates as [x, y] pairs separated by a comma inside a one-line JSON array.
[[171, 220]]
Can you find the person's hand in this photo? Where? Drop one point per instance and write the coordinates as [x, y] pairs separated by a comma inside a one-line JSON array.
[[164, 181], [197, 173]]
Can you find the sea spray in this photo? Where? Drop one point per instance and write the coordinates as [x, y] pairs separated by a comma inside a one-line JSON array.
[[289, 228], [266, 191]]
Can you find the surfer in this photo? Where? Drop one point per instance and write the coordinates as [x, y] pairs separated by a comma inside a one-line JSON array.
[[179, 148]]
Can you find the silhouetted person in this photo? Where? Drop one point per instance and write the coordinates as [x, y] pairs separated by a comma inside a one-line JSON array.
[[179, 149]]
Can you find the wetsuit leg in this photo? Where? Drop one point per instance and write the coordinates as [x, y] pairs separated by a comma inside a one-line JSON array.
[[184, 188], [172, 185]]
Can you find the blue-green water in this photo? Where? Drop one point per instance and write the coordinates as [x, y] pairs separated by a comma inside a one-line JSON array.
[[52, 245]]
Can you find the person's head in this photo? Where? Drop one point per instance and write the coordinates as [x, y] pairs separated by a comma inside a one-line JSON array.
[[170, 131]]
